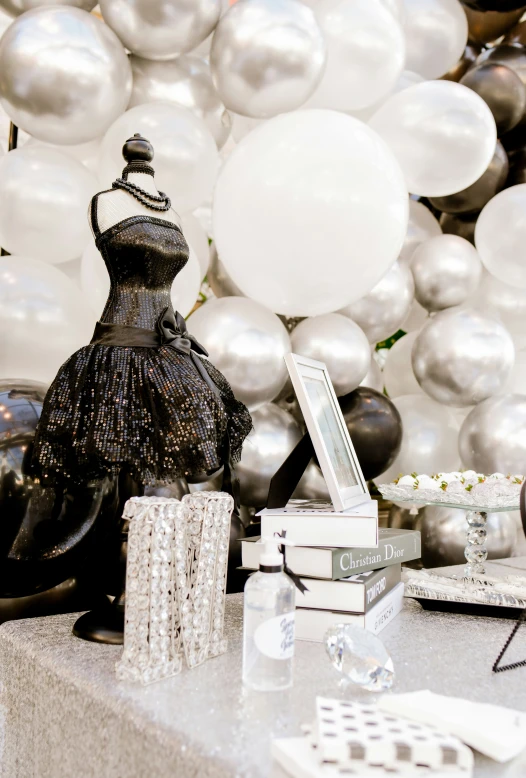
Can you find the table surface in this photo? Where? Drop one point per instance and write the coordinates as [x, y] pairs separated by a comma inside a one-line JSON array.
[[63, 707]]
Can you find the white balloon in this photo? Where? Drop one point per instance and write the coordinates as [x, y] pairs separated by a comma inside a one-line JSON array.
[[197, 239], [506, 302], [242, 125], [374, 378], [44, 318], [404, 81], [296, 212], [398, 375], [422, 225], [442, 133], [517, 380], [436, 33], [85, 153], [500, 236], [72, 270], [44, 197], [430, 438], [416, 318], [95, 282], [186, 158], [365, 54]]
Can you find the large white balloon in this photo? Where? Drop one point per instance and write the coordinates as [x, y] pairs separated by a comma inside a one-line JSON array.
[[507, 302], [422, 225], [44, 197], [436, 33], [398, 375], [247, 343], [85, 153], [442, 133], [65, 75], [500, 236], [186, 158], [17, 7], [44, 318], [95, 282], [366, 53], [447, 271], [416, 318], [185, 81], [374, 378], [340, 343], [197, 239], [517, 380], [297, 210], [267, 56], [493, 436], [429, 441], [382, 312], [161, 29]]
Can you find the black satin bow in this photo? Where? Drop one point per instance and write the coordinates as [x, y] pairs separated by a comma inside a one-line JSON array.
[[296, 580], [174, 334]]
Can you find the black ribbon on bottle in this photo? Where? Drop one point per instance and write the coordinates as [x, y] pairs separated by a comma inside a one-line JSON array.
[[296, 580]]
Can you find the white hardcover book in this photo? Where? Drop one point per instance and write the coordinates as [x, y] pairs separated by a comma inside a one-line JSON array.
[[356, 594], [312, 624]]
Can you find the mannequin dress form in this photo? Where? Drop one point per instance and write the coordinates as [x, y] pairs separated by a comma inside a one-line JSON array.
[[141, 402]]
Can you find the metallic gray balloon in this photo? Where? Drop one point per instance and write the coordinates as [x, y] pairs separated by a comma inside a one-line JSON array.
[[447, 270], [247, 343], [513, 57], [381, 313], [17, 7], [475, 197], [274, 436], [312, 485], [492, 438], [267, 56], [184, 81], [462, 357], [463, 226], [220, 282], [503, 91], [161, 29], [340, 343], [443, 534], [65, 76], [403, 517]]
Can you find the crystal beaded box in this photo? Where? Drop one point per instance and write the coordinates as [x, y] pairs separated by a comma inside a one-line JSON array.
[[175, 583]]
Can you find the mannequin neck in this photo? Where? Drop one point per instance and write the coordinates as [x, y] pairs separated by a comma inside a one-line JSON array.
[[144, 180]]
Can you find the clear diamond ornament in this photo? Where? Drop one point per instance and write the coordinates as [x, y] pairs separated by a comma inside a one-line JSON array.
[[360, 657]]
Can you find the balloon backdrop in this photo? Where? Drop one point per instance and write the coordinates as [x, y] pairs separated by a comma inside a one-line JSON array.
[[274, 436], [475, 197], [197, 239], [365, 53], [429, 442], [373, 379], [517, 380], [416, 318], [517, 167], [493, 436], [247, 343], [185, 81], [436, 33], [65, 75], [442, 134], [44, 197], [16, 7], [461, 67], [500, 236], [186, 158], [220, 282], [267, 56], [95, 282], [485, 26], [398, 373], [52, 319], [161, 29], [421, 226], [383, 311], [375, 428], [296, 231], [446, 270], [85, 153], [507, 302], [340, 343], [501, 89], [462, 357], [443, 534], [462, 225]]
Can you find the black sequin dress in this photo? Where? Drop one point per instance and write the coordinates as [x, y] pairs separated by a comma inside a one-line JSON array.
[[147, 410]]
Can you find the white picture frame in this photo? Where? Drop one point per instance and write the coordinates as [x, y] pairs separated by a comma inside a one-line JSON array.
[[328, 431]]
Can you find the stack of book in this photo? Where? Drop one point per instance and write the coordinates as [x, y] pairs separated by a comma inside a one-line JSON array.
[[351, 568]]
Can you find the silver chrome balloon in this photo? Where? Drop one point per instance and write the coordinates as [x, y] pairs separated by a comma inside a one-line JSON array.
[[184, 81], [340, 343], [17, 7], [274, 436], [493, 436], [312, 485], [65, 76], [462, 357], [161, 29], [382, 312], [446, 270], [247, 343], [267, 56], [220, 282]]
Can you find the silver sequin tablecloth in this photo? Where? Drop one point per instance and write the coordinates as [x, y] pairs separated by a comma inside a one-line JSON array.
[[64, 715]]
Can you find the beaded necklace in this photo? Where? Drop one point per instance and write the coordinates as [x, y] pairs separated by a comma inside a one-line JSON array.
[[160, 202]]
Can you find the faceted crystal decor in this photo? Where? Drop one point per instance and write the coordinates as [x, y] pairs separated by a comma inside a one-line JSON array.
[[175, 583], [360, 657]]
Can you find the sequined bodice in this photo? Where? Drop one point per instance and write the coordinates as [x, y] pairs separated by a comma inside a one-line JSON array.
[[143, 255]]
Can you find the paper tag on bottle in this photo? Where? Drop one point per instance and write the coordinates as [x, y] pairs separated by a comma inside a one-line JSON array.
[[275, 637]]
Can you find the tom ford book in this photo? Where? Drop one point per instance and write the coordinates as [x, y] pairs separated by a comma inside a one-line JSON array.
[[356, 594], [394, 546]]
